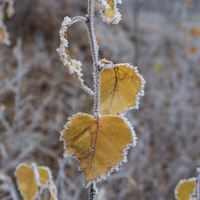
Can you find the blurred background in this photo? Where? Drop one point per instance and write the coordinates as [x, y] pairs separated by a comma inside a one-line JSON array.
[[37, 94]]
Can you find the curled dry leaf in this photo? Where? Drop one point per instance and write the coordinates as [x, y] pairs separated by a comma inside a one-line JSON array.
[[72, 65], [110, 13], [121, 87], [27, 184], [100, 145], [185, 189]]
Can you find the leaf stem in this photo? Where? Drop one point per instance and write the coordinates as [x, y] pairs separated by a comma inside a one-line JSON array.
[[94, 49], [96, 77], [198, 183], [91, 192]]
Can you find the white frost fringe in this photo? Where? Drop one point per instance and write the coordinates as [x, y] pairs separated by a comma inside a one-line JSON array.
[[117, 17], [180, 182], [110, 65]]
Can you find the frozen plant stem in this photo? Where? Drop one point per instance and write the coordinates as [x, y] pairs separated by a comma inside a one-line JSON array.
[[96, 78], [91, 192], [94, 49], [198, 183]]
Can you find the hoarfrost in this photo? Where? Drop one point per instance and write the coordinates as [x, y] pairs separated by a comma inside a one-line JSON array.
[[125, 150], [106, 64], [73, 65], [117, 16]]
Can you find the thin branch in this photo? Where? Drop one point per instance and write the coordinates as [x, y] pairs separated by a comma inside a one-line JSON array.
[[78, 19], [198, 183], [92, 192], [94, 49]]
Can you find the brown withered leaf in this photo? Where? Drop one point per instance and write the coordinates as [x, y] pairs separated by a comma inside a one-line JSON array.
[[99, 145]]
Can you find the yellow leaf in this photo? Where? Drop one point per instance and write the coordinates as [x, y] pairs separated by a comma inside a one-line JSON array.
[[185, 189], [44, 174], [72, 65], [110, 12], [99, 145], [26, 182], [121, 88]]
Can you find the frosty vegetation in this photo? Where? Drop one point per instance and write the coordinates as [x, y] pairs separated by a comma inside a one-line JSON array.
[[37, 94]]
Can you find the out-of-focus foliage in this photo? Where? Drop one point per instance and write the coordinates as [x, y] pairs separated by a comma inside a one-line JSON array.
[[26, 180], [185, 189], [37, 94]]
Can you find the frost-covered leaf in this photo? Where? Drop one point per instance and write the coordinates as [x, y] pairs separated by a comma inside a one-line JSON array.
[[72, 65], [110, 13], [99, 145], [121, 87], [4, 35], [44, 174], [26, 180], [185, 189]]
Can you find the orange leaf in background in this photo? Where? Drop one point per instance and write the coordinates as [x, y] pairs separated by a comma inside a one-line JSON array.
[[187, 2], [195, 32], [121, 87], [98, 145], [26, 180], [185, 189], [193, 50], [110, 12], [4, 35]]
